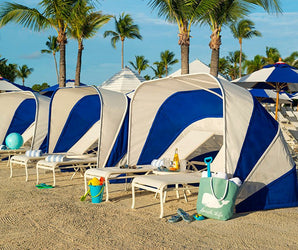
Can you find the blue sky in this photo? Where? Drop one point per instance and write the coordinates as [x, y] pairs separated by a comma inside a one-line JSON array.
[[101, 60]]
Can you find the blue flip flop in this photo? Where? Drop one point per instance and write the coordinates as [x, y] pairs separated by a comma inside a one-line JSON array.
[[44, 186], [185, 216], [175, 218]]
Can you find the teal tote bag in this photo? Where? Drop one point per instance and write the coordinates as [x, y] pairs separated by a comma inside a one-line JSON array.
[[216, 198]]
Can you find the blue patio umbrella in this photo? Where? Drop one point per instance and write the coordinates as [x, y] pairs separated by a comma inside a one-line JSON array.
[[278, 76], [269, 96]]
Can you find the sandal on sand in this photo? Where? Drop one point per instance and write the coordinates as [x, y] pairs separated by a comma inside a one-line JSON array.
[[43, 186], [175, 218], [198, 217], [185, 216]]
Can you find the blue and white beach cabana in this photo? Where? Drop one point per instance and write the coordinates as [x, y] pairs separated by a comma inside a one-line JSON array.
[[200, 115], [26, 113]]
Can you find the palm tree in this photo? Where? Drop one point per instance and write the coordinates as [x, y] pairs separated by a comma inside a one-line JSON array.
[[225, 12], [224, 67], [253, 65], [160, 69], [168, 59], [184, 13], [83, 24], [23, 72], [292, 59], [55, 14], [53, 48], [233, 59], [125, 28], [140, 64], [244, 29], [272, 55]]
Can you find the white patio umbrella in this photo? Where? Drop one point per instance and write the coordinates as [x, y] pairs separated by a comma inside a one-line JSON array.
[[278, 76]]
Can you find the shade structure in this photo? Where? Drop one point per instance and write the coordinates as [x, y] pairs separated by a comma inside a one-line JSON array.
[[269, 96], [278, 76], [125, 81], [6, 86], [196, 66], [200, 114], [84, 118], [26, 113]]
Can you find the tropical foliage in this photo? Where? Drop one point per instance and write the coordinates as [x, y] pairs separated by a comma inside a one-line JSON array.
[[184, 13], [168, 58], [140, 64], [23, 72], [244, 29], [124, 28], [40, 87], [53, 48], [84, 22], [225, 12], [8, 71]]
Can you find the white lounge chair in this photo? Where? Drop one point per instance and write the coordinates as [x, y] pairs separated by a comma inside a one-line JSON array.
[[77, 162], [159, 184]]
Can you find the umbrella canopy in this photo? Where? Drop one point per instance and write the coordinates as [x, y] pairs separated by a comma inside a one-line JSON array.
[[278, 76], [269, 96], [6, 86]]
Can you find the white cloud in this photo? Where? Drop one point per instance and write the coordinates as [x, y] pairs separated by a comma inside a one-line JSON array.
[[34, 55]]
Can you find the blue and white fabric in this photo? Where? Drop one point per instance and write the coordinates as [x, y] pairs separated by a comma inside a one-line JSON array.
[[33, 153], [199, 114], [3, 147], [55, 158]]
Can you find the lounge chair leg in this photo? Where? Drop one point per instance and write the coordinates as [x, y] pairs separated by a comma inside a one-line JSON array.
[[10, 164], [26, 170], [133, 196], [177, 192], [54, 178], [107, 189], [161, 203], [37, 175], [85, 180]]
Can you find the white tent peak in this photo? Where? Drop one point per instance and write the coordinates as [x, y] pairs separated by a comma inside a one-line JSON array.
[[196, 66], [125, 81]]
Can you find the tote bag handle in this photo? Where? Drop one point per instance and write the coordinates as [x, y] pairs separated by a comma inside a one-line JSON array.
[[225, 193]]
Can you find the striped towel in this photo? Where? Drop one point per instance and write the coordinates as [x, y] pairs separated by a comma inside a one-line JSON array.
[[3, 147], [33, 153], [55, 158]]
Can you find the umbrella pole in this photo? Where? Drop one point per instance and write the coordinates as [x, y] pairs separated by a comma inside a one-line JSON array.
[[276, 104]]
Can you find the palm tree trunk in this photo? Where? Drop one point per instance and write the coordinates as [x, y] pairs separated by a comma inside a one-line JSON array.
[[79, 63], [166, 66], [23, 80], [54, 55], [240, 59], [214, 62], [184, 59], [62, 64], [122, 53]]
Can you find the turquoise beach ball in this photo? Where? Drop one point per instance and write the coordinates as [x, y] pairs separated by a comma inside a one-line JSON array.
[[14, 141]]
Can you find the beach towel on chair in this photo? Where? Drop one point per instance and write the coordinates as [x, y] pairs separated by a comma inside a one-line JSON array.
[[33, 153], [55, 158]]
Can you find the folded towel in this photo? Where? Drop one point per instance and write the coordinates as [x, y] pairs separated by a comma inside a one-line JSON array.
[[33, 153], [158, 163], [55, 158], [3, 147]]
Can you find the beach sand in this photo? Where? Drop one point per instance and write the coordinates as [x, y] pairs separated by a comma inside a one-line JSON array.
[[32, 218]]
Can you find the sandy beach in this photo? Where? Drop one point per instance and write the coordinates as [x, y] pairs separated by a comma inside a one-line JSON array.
[[32, 218]]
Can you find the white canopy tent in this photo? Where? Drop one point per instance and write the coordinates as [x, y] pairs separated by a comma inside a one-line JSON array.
[[124, 81], [196, 66]]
